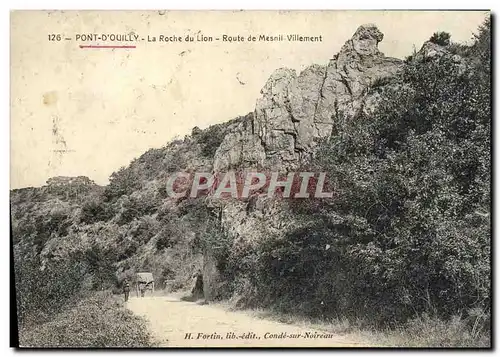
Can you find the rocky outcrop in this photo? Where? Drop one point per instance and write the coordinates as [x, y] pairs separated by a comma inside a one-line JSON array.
[[240, 147], [431, 51], [295, 112], [65, 180]]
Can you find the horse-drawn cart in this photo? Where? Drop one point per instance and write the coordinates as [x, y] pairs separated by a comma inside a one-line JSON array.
[[144, 281]]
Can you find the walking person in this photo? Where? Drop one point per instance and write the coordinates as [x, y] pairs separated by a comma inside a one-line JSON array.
[[126, 290], [197, 290]]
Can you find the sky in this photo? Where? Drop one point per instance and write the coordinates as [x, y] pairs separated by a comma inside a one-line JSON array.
[[86, 111]]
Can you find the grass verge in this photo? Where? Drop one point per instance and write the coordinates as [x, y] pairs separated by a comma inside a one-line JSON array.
[[100, 320], [422, 332]]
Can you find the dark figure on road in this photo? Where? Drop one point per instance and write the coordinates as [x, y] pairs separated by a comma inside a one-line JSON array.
[[126, 289], [197, 291]]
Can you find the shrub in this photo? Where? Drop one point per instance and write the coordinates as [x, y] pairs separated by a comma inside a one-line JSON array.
[[129, 249], [137, 206], [440, 38], [97, 321], [122, 182], [44, 226], [101, 266], [195, 131], [95, 210], [43, 292], [167, 238], [210, 139], [144, 229]]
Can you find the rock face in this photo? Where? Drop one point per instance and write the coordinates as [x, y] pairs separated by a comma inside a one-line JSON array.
[[240, 147], [430, 50], [433, 52], [295, 111], [65, 180]]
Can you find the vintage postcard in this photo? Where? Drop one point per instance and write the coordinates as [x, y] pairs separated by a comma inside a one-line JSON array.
[[251, 178]]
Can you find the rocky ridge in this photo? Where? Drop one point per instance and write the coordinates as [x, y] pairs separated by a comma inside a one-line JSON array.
[[295, 111]]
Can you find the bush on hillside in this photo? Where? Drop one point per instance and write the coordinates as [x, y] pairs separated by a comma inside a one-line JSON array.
[[42, 292], [95, 210], [122, 182], [137, 206], [210, 139], [440, 38], [98, 321], [100, 264]]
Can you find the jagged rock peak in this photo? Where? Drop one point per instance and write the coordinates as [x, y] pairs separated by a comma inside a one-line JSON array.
[[368, 31], [297, 111], [364, 41]]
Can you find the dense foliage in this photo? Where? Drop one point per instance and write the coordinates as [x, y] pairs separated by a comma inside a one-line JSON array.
[[408, 230], [96, 321]]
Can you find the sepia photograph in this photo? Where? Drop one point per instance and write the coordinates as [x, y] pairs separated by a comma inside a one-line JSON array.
[[243, 179]]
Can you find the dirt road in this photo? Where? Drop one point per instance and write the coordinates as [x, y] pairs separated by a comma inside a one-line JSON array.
[[176, 323]]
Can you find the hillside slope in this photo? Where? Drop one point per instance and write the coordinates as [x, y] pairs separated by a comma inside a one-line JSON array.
[[406, 145]]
